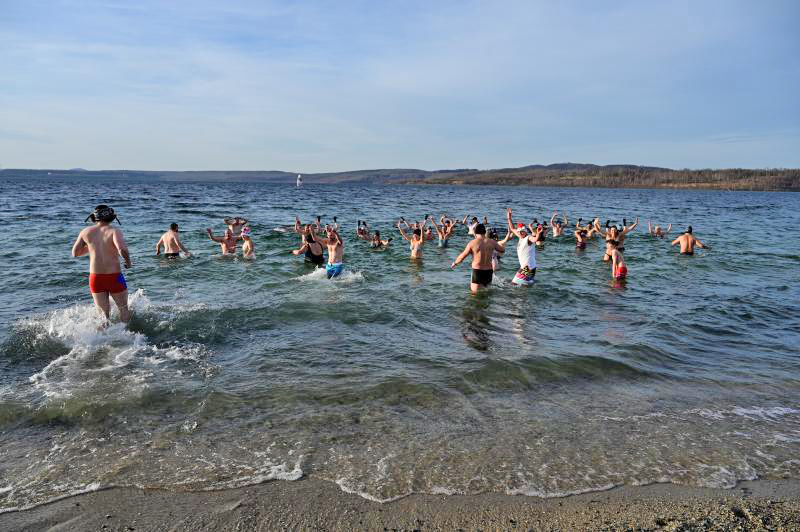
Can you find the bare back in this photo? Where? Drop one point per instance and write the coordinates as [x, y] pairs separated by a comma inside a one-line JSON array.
[[171, 242], [105, 244], [482, 252], [687, 243]]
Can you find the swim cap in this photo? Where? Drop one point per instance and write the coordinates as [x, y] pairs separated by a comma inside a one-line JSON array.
[[520, 226], [246, 231], [103, 213]]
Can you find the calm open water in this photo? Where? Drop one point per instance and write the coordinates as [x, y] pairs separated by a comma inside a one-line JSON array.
[[394, 379]]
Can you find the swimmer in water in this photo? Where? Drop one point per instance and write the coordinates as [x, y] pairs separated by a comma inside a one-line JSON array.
[[526, 252], [335, 247], [558, 226], [311, 247], [362, 231], [471, 225], [619, 270], [248, 248], [105, 244], [227, 242], [581, 238], [445, 231], [657, 231], [171, 243], [416, 240], [235, 225], [481, 249], [377, 243], [688, 241]]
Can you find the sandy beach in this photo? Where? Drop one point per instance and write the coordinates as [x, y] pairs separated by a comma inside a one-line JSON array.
[[311, 504]]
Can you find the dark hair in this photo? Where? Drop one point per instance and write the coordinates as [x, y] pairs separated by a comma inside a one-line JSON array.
[[689, 229], [480, 229], [377, 234], [417, 232], [493, 234], [173, 226]]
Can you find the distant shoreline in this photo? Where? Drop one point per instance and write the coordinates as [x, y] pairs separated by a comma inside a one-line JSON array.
[[316, 504], [570, 175]]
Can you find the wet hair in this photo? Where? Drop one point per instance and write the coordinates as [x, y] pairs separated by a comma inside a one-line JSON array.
[[173, 226], [689, 229], [103, 213], [417, 232], [493, 234], [480, 229], [474, 219]]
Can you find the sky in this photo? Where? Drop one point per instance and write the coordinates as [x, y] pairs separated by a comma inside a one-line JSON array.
[[344, 85]]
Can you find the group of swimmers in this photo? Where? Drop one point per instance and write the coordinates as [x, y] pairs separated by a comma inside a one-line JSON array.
[[105, 243]]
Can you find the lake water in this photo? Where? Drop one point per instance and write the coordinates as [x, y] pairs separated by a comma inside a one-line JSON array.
[[393, 379]]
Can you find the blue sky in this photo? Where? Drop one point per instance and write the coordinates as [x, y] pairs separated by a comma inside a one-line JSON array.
[[327, 86]]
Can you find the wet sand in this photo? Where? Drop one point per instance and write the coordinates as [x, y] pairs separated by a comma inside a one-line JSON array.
[[319, 505]]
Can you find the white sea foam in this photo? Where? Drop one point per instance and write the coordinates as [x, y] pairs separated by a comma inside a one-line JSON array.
[[95, 352], [319, 274]]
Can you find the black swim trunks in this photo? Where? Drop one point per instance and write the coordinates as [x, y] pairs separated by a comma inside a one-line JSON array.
[[687, 252], [172, 255], [482, 277]]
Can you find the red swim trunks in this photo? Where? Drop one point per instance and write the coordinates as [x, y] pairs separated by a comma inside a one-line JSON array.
[[621, 272], [112, 283]]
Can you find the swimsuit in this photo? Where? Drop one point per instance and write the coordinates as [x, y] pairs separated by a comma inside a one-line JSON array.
[[334, 269], [524, 276], [112, 283], [317, 260], [482, 277], [581, 245], [687, 252], [442, 242], [172, 255], [621, 272]]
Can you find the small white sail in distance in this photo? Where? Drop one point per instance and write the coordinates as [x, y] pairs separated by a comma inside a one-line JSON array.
[[299, 180]]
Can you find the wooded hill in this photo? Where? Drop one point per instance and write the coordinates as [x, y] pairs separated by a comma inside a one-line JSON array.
[[554, 175], [623, 176]]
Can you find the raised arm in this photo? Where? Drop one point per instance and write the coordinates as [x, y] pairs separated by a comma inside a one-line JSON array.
[[122, 247], [80, 247], [297, 224], [649, 227], [669, 228], [511, 223], [212, 237], [402, 233], [566, 220], [631, 227], [553, 219]]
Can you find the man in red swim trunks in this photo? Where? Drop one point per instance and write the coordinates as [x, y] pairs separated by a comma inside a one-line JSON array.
[[105, 244]]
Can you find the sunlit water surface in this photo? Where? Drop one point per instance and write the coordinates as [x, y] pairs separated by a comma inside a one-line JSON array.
[[393, 379]]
